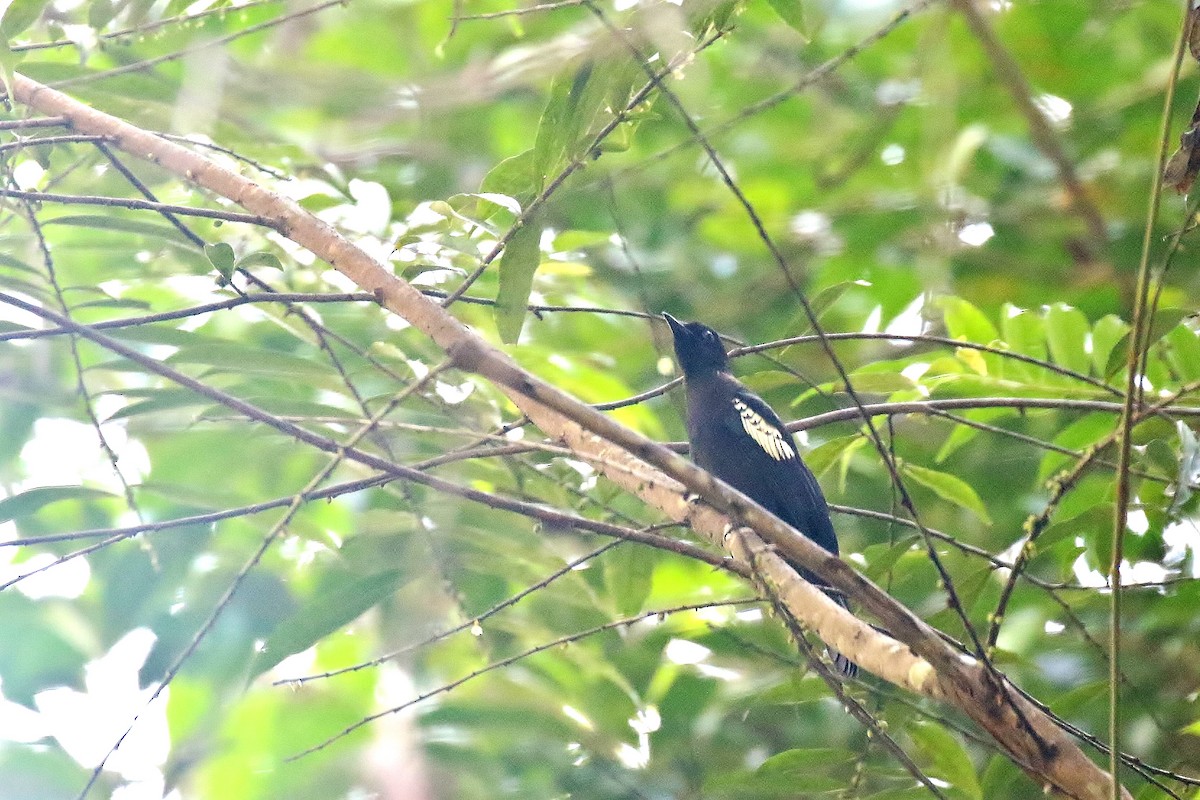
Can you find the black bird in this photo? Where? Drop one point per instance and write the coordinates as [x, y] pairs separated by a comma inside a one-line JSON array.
[[737, 437]]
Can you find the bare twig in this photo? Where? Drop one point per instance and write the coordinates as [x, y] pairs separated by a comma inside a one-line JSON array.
[[521, 656], [128, 202]]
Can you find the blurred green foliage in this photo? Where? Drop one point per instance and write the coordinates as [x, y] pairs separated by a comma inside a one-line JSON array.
[[898, 179]]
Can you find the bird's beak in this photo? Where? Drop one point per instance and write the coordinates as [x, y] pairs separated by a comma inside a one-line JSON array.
[[676, 325]]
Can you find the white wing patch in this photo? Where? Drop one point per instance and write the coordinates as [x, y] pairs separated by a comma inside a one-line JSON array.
[[766, 435]]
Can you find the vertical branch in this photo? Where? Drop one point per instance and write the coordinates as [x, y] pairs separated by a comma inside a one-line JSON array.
[[1133, 390]]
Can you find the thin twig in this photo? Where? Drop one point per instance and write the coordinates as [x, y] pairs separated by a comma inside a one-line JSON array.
[[521, 656], [175, 55], [142, 205]]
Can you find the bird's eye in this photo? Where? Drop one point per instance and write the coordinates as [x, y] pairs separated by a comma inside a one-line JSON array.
[[709, 336]]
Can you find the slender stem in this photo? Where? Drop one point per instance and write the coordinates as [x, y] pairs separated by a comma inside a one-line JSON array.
[[1133, 384]]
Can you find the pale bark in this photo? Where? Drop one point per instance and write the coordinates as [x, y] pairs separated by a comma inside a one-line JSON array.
[[916, 659]]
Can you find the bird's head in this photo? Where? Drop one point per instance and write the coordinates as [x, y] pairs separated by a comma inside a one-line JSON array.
[[697, 347]]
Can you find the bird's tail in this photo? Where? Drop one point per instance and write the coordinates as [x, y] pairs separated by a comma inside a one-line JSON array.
[[843, 665]]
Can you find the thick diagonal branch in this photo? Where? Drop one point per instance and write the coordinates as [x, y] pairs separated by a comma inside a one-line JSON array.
[[916, 658]]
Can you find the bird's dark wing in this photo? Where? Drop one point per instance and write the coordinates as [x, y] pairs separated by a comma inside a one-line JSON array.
[[756, 454], [798, 496]]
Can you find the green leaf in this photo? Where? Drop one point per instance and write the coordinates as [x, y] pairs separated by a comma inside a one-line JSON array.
[[765, 381], [31, 501], [821, 302], [517, 267], [513, 177], [1183, 352], [965, 433], [769, 786], [320, 202], [950, 488], [881, 382], [8, 66], [1106, 333], [222, 257], [161, 400], [50, 653], [100, 13], [882, 558], [323, 614], [475, 207], [629, 571], [162, 334], [1086, 525], [800, 762], [965, 321], [8, 260], [574, 103], [581, 240], [261, 258], [1084, 432], [791, 12], [917, 792], [716, 20], [1066, 333], [115, 224], [826, 454], [113, 302], [1100, 546], [19, 15], [1164, 321], [949, 758], [288, 407], [256, 360], [1001, 778], [1023, 331], [1159, 457]]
